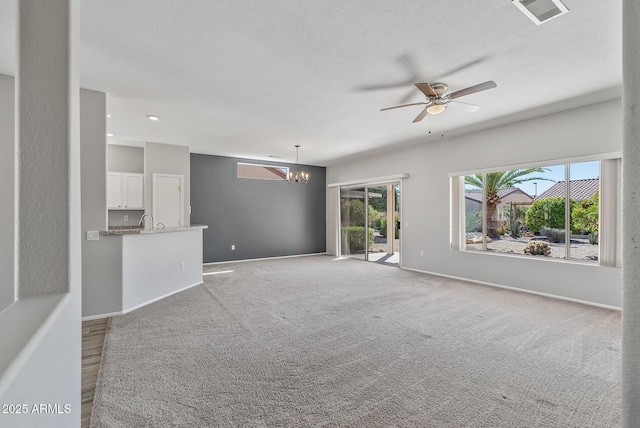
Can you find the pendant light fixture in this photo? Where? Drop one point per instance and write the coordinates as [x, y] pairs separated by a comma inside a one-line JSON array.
[[298, 176]]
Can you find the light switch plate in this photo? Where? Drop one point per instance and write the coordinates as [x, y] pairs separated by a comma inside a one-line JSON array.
[[93, 235]]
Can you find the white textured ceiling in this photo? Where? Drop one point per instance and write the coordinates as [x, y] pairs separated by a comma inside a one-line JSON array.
[[253, 78]]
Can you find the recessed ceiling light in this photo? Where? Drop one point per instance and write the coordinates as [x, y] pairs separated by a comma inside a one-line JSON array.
[[110, 135], [153, 117], [108, 115]]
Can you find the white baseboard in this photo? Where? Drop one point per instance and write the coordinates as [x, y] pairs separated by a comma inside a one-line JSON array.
[[264, 258], [126, 311], [100, 316], [523, 290]]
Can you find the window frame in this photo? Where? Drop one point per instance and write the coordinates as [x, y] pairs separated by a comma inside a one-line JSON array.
[[610, 207], [286, 169]]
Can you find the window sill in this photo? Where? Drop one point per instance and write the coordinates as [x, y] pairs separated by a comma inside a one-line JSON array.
[[25, 323], [548, 259]]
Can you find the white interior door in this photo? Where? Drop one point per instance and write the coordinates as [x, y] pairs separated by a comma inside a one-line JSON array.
[[168, 200]]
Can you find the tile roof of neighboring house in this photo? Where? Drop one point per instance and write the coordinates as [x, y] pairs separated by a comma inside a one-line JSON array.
[[476, 194], [578, 189]]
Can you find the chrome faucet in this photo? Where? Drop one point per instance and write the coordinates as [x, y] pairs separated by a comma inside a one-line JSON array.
[[141, 222]]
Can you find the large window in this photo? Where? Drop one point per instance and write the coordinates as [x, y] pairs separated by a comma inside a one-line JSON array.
[[564, 210]]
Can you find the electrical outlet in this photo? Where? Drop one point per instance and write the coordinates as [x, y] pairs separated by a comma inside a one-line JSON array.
[[421, 253], [182, 266], [126, 218], [233, 247], [93, 235]]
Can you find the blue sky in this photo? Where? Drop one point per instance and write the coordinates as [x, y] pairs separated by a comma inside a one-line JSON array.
[[556, 173]]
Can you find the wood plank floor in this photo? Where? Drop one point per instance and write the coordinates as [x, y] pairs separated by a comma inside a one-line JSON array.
[[93, 333]]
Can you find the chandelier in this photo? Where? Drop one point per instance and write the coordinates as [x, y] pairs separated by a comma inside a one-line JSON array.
[[298, 176]]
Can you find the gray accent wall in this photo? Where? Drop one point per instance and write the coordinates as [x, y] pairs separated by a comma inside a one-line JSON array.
[[262, 218]]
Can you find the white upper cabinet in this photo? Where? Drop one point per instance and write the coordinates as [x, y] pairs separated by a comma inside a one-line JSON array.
[[114, 190], [133, 191], [125, 191]]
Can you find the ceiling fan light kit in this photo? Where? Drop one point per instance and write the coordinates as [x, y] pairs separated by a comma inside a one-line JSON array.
[[438, 99], [436, 108]]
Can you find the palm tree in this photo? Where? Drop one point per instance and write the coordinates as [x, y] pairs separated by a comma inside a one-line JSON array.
[[497, 181]]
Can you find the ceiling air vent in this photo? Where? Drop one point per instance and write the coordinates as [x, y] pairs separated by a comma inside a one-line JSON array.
[[540, 11]]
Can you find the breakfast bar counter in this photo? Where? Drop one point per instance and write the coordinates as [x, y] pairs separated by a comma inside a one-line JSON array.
[[140, 266]]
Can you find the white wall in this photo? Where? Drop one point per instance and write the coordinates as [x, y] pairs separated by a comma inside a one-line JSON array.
[[168, 159], [102, 279], [133, 270], [40, 363], [425, 197], [93, 161], [40, 358], [7, 160], [151, 265], [51, 373], [125, 158]]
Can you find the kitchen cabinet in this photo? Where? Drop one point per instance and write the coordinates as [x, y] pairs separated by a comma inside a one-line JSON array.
[[125, 191]]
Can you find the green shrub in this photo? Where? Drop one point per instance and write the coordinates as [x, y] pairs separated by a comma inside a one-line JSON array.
[[547, 213], [383, 227], [353, 237], [584, 214], [352, 213], [553, 235]]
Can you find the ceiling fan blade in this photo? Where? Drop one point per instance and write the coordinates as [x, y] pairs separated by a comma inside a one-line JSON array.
[[463, 106], [426, 89], [421, 116], [403, 105], [473, 89]]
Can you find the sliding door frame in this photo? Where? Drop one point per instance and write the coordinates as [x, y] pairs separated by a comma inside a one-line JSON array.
[[357, 184]]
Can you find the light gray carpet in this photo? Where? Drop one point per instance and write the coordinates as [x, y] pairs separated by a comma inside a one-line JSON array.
[[314, 342]]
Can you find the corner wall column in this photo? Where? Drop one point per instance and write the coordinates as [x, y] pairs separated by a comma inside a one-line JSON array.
[[46, 142], [630, 210]]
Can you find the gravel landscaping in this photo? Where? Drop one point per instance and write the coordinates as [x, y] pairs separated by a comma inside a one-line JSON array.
[[580, 248]]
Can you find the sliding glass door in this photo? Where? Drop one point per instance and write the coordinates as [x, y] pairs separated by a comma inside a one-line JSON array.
[[370, 223], [353, 233], [384, 219]]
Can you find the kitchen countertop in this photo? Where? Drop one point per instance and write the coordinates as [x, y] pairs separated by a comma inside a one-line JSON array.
[[136, 230]]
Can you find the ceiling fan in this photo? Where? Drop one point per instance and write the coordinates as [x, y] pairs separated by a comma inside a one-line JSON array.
[[438, 99]]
